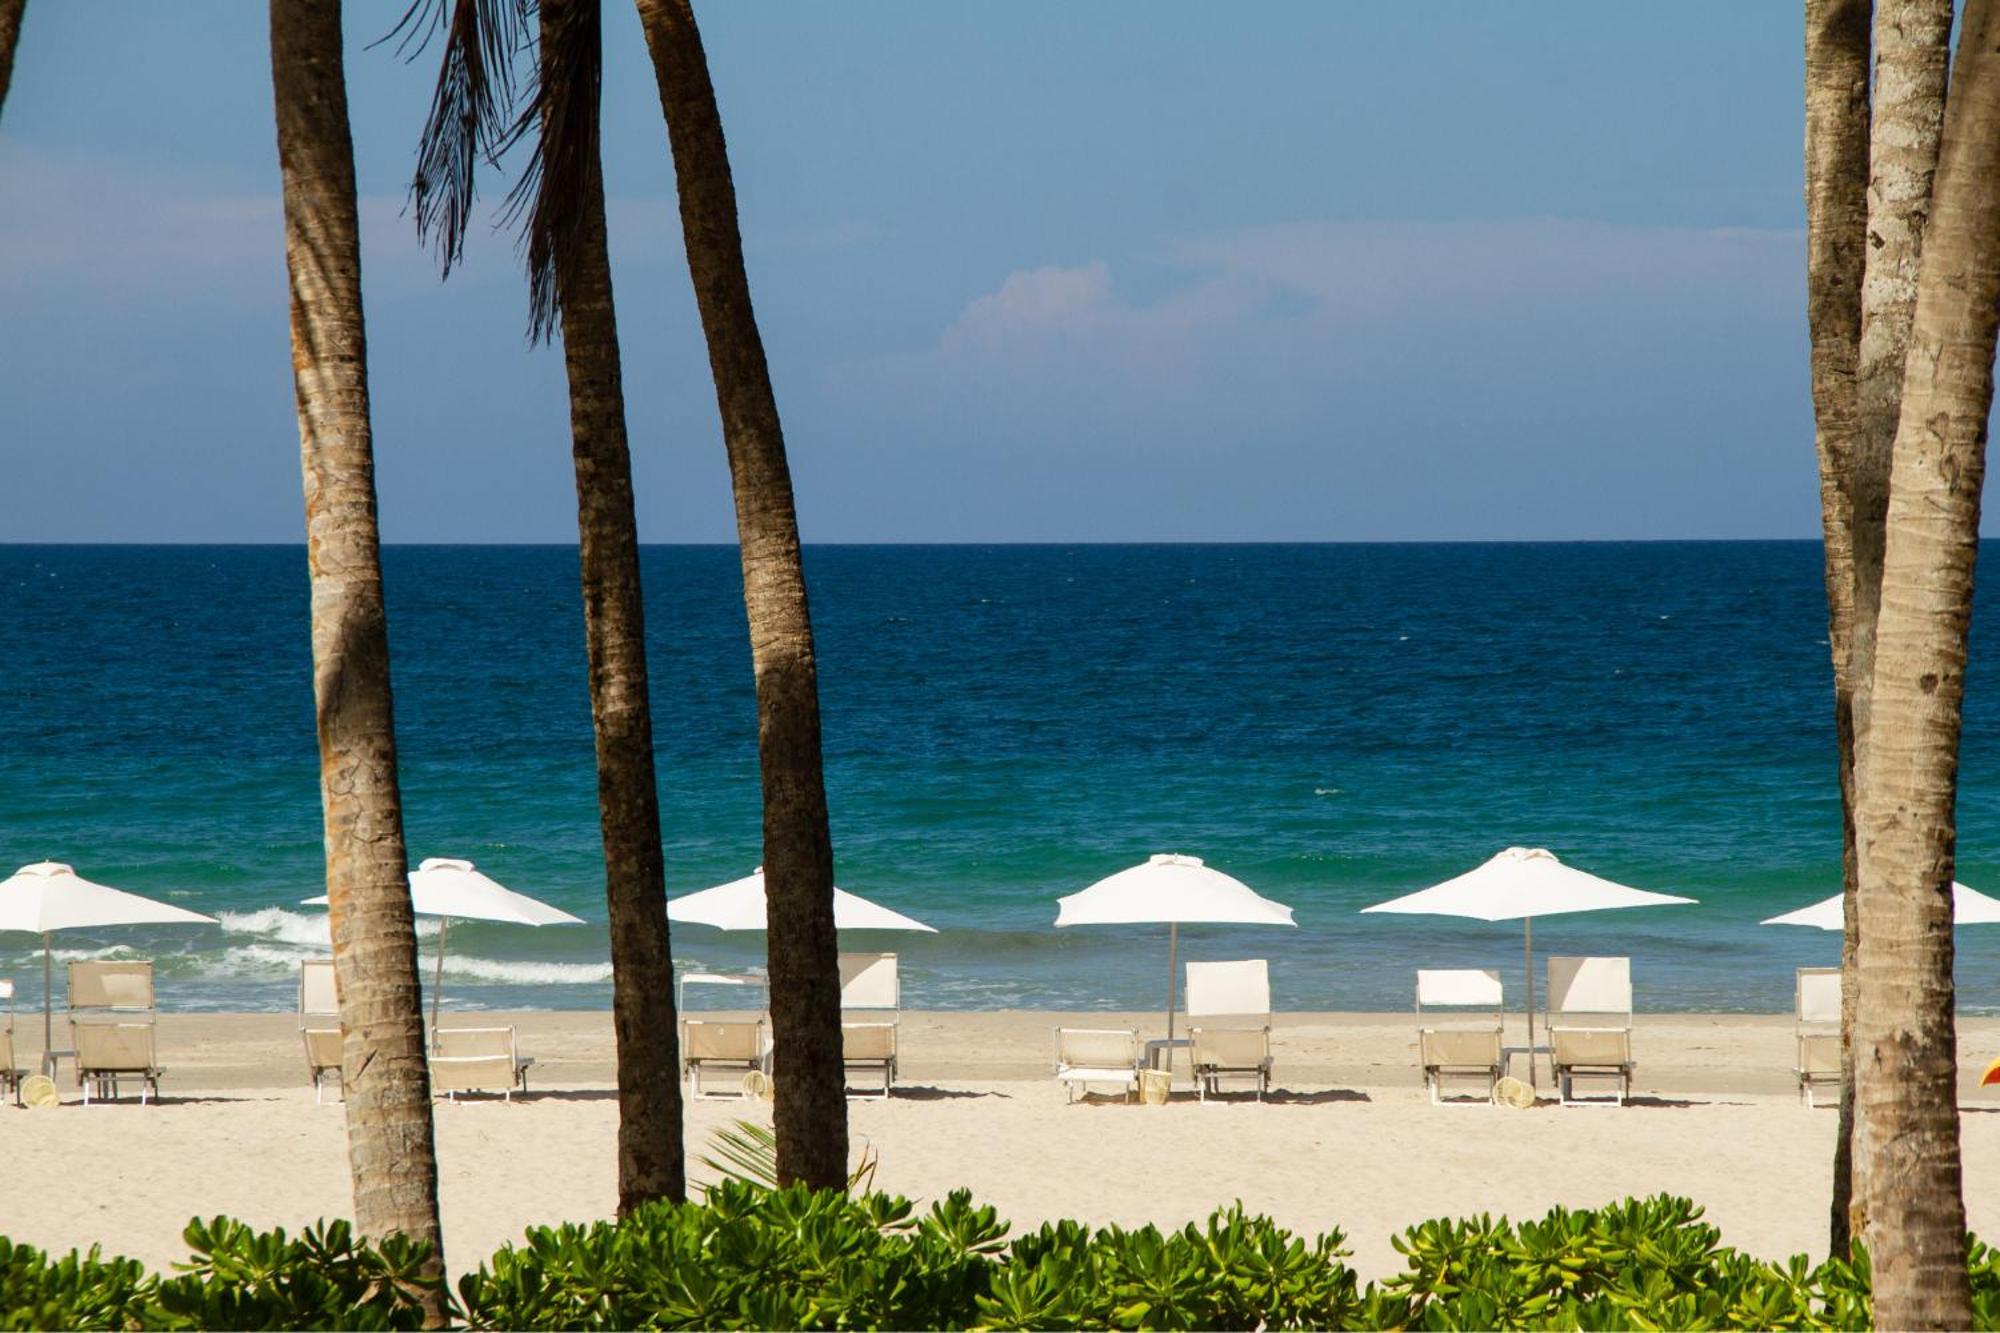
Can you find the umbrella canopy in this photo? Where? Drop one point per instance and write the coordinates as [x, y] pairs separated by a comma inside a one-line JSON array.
[[1521, 884], [1171, 889], [49, 896], [1969, 907], [448, 888], [739, 905], [1174, 889]]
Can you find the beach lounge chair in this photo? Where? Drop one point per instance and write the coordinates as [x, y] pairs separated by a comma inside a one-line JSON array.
[[477, 1060], [111, 1028], [10, 1076], [1817, 1000], [1458, 1031], [319, 1024], [732, 1044], [1097, 1055], [1589, 1022], [870, 997], [1229, 1023]]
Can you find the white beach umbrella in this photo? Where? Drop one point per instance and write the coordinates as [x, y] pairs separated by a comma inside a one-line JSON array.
[[739, 905], [1521, 884], [1172, 890], [447, 888], [1969, 907], [49, 896]]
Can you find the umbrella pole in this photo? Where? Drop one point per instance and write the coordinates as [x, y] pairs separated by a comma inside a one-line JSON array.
[[1173, 950], [437, 985], [48, 1010], [1528, 966]]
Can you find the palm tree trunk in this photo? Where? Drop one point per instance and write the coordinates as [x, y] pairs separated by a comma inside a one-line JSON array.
[[1836, 97], [389, 1129], [1912, 58], [10, 37], [811, 1113], [651, 1160], [1907, 1042]]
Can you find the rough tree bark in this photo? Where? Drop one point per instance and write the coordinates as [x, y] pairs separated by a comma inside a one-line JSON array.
[[1912, 58], [389, 1130], [1907, 1130], [651, 1160], [1836, 197], [811, 1112]]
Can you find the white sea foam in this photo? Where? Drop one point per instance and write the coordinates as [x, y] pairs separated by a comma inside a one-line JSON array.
[[281, 923], [259, 961], [524, 973]]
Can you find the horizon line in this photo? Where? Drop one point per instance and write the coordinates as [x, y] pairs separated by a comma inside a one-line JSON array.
[[1006, 542]]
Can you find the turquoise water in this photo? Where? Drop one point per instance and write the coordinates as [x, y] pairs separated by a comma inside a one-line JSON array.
[[1333, 724]]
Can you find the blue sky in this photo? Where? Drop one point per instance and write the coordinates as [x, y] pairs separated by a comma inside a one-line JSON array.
[[1030, 271]]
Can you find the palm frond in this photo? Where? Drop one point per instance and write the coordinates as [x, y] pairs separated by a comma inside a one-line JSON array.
[[472, 111], [558, 189], [749, 1151]]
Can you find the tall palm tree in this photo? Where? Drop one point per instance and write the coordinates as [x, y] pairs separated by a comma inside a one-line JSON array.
[[562, 195], [1836, 232], [811, 1113], [1912, 57], [1907, 1043], [389, 1130], [10, 37]]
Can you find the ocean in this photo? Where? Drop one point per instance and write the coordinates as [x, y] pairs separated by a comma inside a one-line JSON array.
[[1334, 724]]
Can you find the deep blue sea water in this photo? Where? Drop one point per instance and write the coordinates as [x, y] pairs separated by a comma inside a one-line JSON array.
[[1333, 724]]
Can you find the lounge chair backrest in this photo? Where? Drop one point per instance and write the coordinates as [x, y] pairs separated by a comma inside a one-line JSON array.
[[1819, 1054], [323, 1047], [1600, 986], [318, 993], [109, 985], [1818, 995], [870, 981], [106, 1044], [867, 1041], [1465, 987], [705, 1039], [1229, 989], [1097, 1048], [1230, 1048], [1459, 1047], [474, 1060]]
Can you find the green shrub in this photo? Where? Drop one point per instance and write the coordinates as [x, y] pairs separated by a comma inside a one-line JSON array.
[[1638, 1264], [749, 1256], [75, 1291], [241, 1279]]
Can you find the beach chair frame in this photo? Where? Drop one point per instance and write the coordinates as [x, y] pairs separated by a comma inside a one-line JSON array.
[[319, 1026], [458, 1062], [1588, 1018], [1235, 997], [1460, 1013], [739, 1044], [1097, 1055], [1816, 1010], [871, 985], [113, 1003]]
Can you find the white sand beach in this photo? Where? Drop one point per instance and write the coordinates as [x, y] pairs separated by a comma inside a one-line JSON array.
[[1349, 1141]]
